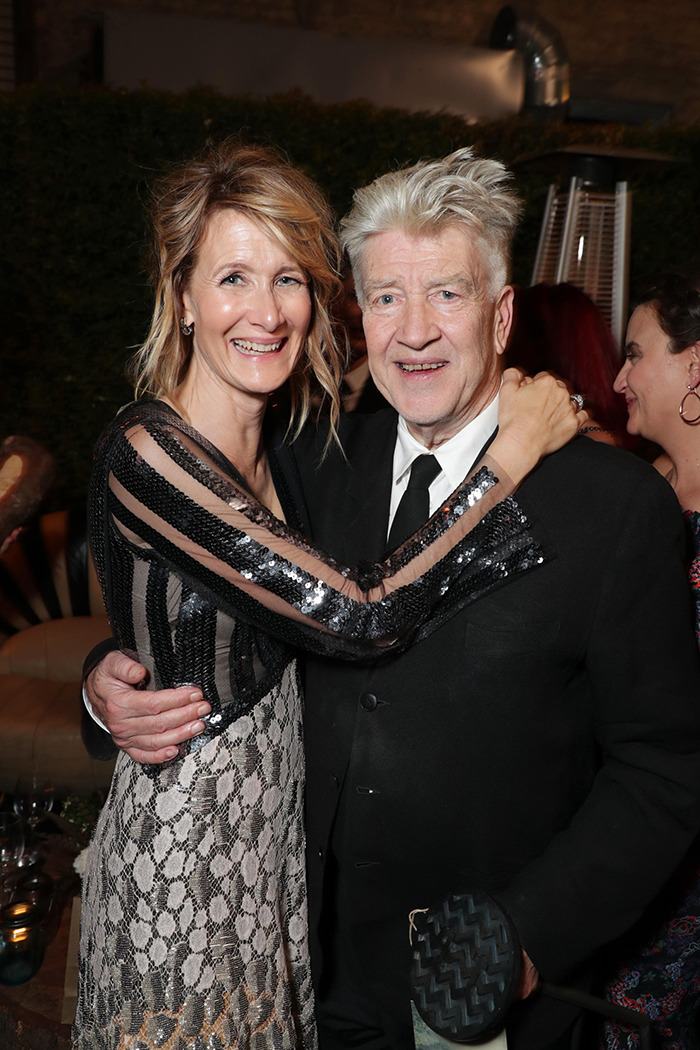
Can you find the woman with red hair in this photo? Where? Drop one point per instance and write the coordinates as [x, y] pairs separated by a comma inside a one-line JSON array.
[[558, 328]]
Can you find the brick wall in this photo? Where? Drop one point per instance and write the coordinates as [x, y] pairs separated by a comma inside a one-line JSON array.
[[638, 50]]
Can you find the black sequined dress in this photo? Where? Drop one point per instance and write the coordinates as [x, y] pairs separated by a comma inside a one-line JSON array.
[[194, 926]]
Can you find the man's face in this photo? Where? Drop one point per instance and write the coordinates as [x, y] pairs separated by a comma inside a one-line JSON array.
[[434, 331]]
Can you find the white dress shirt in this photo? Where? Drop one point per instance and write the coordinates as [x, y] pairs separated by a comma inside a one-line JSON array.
[[456, 457]]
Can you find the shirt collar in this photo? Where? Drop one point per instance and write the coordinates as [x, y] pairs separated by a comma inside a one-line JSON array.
[[456, 455]]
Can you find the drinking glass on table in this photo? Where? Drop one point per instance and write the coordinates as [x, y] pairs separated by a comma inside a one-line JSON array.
[[33, 800], [11, 846]]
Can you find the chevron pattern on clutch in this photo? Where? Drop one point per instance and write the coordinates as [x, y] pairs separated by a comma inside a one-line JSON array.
[[466, 966]]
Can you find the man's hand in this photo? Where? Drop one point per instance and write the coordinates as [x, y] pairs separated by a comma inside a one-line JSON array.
[[148, 725], [529, 978]]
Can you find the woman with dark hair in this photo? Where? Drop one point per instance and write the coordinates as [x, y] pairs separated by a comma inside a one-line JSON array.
[[558, 328], [660, 381], [193, 929]]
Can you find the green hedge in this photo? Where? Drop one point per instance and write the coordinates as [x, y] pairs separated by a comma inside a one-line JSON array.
[[75, 170]]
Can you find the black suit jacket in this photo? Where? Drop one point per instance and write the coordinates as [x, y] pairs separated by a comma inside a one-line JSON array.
[[543, 745]]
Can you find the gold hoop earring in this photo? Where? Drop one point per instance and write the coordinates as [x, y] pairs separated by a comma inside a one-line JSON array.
[[692, 392]]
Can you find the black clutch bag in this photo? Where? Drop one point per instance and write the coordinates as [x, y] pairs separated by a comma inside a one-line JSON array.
[[465, 967]]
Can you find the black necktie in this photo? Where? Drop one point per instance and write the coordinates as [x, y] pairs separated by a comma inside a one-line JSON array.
[[414, 508]]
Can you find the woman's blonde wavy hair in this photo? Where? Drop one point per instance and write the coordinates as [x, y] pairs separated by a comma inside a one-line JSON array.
[[289, 207]]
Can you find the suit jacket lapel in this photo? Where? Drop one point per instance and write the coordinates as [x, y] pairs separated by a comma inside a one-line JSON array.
[[369, 493], [537, 530], [484, 449]]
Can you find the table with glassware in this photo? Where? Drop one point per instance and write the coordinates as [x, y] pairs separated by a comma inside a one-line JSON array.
[[39, 920]]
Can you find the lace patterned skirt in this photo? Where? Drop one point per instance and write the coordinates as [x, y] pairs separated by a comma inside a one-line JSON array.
[[194, 922]]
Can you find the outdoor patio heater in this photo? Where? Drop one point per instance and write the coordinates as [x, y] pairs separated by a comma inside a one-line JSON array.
[[585, 233]]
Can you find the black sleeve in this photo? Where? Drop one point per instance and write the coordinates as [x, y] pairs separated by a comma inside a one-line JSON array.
[[598, 874], [99, 743]]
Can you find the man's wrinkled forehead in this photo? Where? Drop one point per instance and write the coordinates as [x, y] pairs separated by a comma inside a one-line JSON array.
[[470, 270]]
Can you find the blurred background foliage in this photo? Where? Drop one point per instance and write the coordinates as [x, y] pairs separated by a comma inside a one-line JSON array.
[[75, 170]]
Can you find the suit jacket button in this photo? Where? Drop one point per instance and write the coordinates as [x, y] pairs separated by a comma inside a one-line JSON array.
[[368, 702]]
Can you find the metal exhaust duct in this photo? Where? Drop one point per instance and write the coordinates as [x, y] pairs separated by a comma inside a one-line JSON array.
[[547, 73]]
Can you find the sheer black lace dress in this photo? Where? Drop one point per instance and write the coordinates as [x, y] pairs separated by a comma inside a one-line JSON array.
[[194, 910]]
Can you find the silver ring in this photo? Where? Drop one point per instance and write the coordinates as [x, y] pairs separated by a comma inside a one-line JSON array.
[[577, 400]]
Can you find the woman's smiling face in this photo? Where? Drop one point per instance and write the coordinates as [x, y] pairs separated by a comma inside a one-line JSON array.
[[652, 379], [250, 304]]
